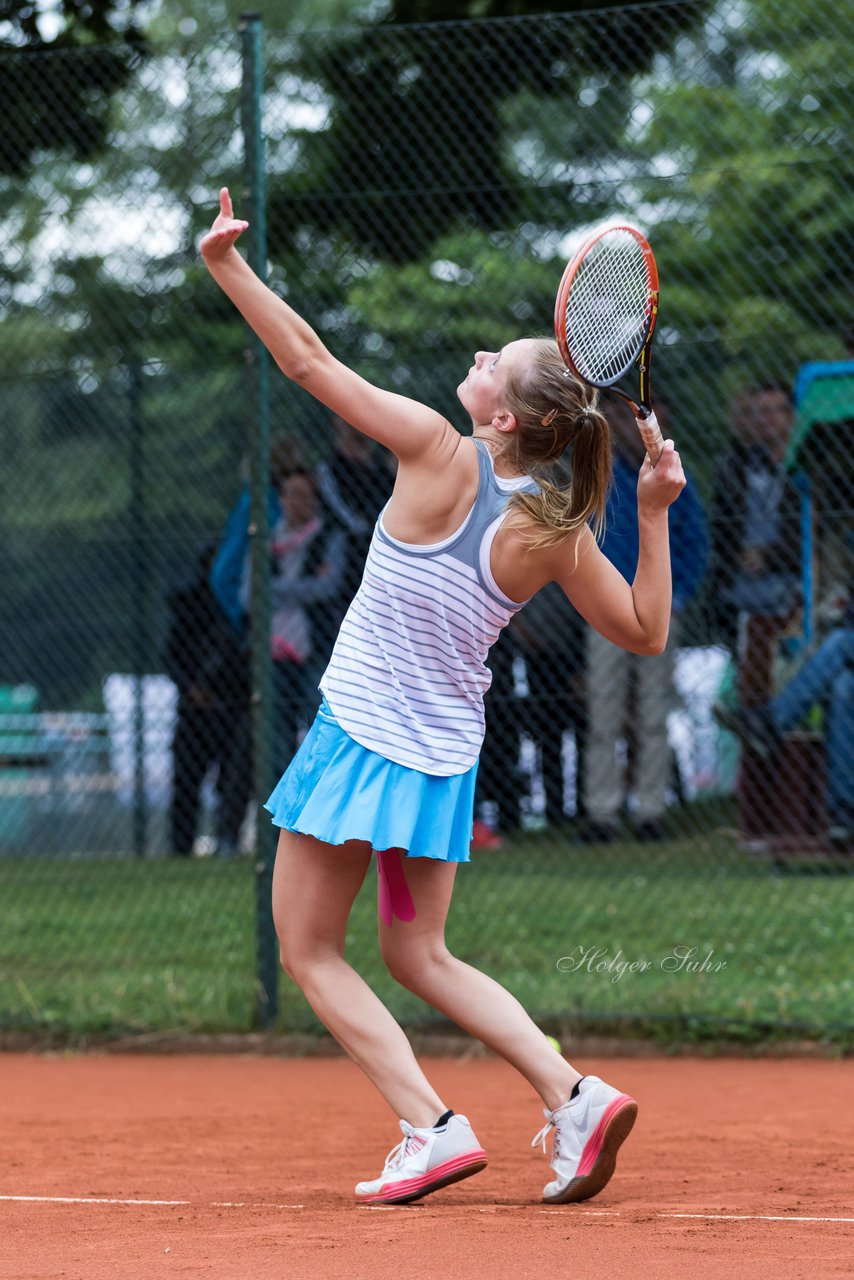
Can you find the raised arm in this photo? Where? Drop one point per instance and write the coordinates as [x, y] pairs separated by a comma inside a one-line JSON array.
[[411, 430], [637, 616]]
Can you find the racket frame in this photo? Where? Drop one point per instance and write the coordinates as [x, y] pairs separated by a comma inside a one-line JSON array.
[[642, 407]]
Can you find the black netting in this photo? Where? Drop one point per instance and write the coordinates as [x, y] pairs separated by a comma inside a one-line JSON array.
[[425, 187]]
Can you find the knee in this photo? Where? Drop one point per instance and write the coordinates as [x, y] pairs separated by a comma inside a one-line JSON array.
[[289, 960], [412, 966], [300, 960]]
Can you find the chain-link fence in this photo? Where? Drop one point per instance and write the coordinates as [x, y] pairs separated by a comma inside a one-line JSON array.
[[424, 186]]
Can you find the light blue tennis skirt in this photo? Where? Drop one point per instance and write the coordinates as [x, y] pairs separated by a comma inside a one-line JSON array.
[[337, 790]]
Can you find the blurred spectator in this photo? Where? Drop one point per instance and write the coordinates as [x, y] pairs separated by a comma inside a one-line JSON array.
[[755, 535], [310, 555], [230, 566], [202, 657], [756, 561], [547, 635], [500, 781], [229, 579], [354, 486], [827, 678], [611, 671], [317, 567], [551, 638]]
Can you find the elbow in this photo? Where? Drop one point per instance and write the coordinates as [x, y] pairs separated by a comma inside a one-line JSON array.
[[298, 368], [302, 362], [651, 647], [656, 646]]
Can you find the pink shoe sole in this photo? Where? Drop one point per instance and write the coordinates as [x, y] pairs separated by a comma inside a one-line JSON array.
[[442, 1176], [599, 1157]]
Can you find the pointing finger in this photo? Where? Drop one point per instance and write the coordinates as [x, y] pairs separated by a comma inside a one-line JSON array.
[[225, 203]]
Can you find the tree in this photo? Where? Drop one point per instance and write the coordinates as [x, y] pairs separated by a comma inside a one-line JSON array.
[[757, 211], [58, 87], [419, 133]]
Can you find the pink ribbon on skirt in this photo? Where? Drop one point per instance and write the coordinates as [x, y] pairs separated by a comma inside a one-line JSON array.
[[395, 898]]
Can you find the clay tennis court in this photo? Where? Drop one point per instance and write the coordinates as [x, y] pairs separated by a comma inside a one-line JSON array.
[[196, 1166]]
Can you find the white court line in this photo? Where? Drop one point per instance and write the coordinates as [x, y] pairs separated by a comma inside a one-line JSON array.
[[87, 1200], [754, 1217], [590, 1213], [250, 1204], [715, 1217], [212, 1204], [246, 1204]]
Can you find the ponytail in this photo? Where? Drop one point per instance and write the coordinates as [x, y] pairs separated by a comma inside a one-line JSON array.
[[555, 411]]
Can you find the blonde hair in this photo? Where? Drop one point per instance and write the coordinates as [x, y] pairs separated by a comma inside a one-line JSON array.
[[555, 410]]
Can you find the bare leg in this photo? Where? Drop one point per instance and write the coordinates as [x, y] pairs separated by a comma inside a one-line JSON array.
[[314, 886], [419, 960]]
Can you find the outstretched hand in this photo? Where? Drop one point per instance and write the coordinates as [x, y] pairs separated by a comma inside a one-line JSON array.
[[661, 484], [225, 230]]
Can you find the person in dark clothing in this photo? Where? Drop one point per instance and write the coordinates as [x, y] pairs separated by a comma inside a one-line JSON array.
[[551, 637], [202, 659], [754, 583], [500, 781], [353, 486], [755, 517]]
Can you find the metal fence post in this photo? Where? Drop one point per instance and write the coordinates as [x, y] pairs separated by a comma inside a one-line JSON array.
[[266, 997], [140, 576]]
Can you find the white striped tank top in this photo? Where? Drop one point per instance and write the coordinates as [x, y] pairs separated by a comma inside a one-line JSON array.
[[407, 675]]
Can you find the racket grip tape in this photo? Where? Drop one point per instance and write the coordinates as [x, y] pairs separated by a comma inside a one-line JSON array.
[[652, 437]]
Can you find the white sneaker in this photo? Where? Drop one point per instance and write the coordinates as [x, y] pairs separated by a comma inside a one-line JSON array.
[[588, 1133], [425, 1160]]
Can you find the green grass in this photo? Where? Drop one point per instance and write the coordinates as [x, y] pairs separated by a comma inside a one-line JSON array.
[[116, 946]]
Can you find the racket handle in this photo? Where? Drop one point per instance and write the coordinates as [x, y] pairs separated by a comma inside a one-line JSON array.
[[652, 437]]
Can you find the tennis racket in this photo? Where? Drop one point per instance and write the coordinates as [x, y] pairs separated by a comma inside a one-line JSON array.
[[605, 314]]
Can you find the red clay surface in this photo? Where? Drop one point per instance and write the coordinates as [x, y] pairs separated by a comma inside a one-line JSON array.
[[266, 1153]]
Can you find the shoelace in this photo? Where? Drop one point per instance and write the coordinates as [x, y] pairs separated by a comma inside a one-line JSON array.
[[398, 1154], [544, 1133]]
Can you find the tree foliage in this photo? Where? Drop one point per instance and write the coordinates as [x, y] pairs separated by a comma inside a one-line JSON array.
[[56, 89], [418, 132], [757, 211]]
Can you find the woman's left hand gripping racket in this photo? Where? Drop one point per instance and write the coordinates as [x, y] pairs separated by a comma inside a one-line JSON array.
[[605, 314]]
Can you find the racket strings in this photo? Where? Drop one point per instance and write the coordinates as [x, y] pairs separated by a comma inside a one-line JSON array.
[[607, 308]]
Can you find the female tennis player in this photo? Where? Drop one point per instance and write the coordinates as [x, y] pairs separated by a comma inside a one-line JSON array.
[[473, 529]]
